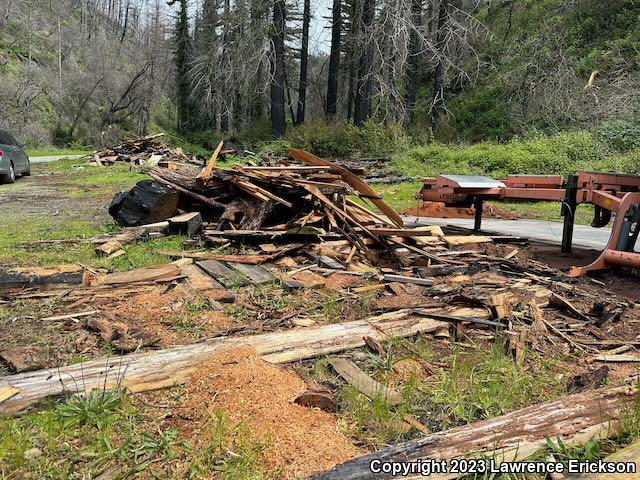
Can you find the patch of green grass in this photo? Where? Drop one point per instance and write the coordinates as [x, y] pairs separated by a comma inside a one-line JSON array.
[[54, 151], [545, 211], [231, 452], [400, 196], [483, 384], [81, 428]]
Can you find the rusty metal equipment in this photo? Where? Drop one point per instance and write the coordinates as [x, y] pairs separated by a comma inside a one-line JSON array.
[[610, 193]]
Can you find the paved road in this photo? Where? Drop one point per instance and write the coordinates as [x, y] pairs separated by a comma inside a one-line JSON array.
[[546, 231], [52, 158]]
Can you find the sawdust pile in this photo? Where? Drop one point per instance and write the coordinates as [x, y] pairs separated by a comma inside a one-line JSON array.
[[300, 440]]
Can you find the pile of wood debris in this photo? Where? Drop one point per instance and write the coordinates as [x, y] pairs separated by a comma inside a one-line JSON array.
[[301, 227], [142, 151]]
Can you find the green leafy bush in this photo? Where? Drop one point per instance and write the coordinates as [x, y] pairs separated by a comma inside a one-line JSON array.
[[482, 114], [619, 135], [341, 140], [559, 154]]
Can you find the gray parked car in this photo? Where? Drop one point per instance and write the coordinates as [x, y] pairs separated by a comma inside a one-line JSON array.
[[13, 159]]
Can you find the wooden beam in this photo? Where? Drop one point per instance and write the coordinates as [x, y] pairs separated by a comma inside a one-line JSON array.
[[363, 382], [511, 437], [172, 366], [352, 179], [211, 164]]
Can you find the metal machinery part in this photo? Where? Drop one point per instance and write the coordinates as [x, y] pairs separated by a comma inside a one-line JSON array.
[[611, 193]]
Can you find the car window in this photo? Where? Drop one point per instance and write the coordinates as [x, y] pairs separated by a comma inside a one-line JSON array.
[[13, 140]]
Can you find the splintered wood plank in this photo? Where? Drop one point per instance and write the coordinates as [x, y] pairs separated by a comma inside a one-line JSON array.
[[208, 169], [204, 284], [352, 179], [7, 391], [255, 273], [142, 372], [250, 259], [225, 275], [363, 382], [576, 419], [454, 240], [137, 275]]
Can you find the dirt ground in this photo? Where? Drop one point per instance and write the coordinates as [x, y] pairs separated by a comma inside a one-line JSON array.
[[297, 440]]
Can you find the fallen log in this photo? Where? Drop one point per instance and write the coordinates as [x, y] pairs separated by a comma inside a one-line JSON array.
[[515, 436], [164, 368]]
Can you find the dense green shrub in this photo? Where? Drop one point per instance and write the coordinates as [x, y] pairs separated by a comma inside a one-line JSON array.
[[619, 135], [482, 114], [341, 140], [559, 154]]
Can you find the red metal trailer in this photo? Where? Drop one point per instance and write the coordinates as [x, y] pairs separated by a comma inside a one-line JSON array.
[[611, 193]]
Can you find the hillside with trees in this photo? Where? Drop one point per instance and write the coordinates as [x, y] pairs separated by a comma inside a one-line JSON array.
[[88, 71]]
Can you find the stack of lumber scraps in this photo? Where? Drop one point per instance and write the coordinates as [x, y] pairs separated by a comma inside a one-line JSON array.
[[140, 151]]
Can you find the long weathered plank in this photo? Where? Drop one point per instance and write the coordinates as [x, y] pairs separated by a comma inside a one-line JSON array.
[[352, 179], [511, 437], [164, 368]]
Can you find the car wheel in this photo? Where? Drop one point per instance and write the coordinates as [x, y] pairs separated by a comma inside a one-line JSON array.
[[9, 177], [27, 172]]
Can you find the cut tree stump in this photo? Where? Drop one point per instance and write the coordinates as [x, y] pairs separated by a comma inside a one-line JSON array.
[[511, 437], [165, 368]]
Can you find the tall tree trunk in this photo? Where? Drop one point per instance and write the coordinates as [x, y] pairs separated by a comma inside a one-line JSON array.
[[182, 46], [224, 114], [278, 121], [363, 85], [438, 82], [334, 59], [304, 59], [412, 63]]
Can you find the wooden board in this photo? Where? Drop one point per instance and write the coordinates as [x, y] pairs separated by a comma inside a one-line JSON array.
[[352, 179], [223, 273], [18, 276], [511, 437], [363, 382], [454, 240], [164, 368], [255, 273], [205, 285], [139, 275]]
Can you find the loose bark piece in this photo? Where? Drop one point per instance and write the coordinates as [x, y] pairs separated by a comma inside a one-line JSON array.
[[515, 436], [363, 382], [23, 359], [561, 302], [356, 182], [164, 368]]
